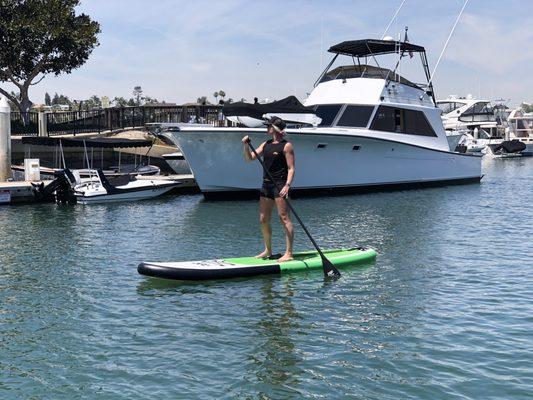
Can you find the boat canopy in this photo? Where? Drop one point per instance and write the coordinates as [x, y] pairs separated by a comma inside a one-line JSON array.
[[86, 142], [369, 47], [373, 47], [288, 105]]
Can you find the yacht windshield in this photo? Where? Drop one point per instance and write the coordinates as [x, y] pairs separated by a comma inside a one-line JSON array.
[[449, 106], [327, 112], [479, 112], [356, 116]]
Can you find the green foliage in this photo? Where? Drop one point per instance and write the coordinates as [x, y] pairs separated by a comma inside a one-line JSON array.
[[120, 102], [92, 103], [40, 37], [47, 100]]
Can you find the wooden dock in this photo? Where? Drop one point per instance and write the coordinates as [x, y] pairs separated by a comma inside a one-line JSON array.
[[17, 192]]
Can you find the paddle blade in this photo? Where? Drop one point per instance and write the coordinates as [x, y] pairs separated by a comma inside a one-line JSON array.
[[329, 269]]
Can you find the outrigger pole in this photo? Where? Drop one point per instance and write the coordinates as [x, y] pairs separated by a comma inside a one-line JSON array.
[[447, 41]]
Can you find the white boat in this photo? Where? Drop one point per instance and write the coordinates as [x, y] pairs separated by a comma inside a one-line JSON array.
[[506, 149], [99, 190], [470, 122], [377, 131]]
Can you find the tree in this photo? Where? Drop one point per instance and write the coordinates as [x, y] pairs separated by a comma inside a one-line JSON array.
[[137, 93], [64, 100], [94, 102], [215, 95], [149, 100], [40, 37], [202, 100], [47, 99], [131, 102], [222, 94], [120, 102], [55, 100]]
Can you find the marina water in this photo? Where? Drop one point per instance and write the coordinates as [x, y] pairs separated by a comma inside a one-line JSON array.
[[445, 312]]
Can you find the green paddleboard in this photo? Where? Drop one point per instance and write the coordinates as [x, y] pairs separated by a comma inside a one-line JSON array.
[[251, 266]]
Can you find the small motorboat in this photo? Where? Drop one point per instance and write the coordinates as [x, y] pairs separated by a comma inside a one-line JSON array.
[[506, 149], [99, 190]]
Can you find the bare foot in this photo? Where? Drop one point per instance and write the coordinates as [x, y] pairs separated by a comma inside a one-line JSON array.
[[286, 257], [264, 254]]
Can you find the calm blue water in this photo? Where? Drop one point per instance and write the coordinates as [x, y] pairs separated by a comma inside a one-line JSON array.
[[444, 313]]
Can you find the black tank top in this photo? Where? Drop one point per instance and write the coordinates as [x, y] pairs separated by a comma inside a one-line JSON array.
[[275, 161]]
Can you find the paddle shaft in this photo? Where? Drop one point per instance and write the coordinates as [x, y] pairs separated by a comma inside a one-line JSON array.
[[326, 264]]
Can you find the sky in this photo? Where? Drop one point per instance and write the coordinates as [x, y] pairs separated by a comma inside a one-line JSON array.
[[180, 50]]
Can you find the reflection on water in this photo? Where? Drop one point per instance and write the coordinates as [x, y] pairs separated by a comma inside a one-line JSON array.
[[275, 360]]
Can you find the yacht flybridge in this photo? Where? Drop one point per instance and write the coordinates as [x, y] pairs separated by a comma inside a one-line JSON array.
[[377, 130]]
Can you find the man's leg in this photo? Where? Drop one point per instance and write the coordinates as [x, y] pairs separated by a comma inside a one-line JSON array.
[[284, 216], [265, 212]]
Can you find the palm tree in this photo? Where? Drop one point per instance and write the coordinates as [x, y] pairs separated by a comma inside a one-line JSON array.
[[216, 96], [222, 94]]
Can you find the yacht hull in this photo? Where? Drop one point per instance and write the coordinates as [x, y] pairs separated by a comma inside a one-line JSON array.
[[325, 163]]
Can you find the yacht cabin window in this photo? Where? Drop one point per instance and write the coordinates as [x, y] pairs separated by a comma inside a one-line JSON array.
[[400, 120], [327, 112], [356, 116]]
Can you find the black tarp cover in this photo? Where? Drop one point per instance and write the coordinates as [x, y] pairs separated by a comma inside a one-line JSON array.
[[89, 142], [367, 47], [288, 105]]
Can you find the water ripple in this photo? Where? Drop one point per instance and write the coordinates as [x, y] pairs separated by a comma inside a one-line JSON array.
[[444, 313]]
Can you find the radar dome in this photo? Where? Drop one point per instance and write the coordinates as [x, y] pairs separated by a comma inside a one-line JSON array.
[[389, 38]]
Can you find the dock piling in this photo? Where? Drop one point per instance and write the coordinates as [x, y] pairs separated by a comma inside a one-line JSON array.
[[5, 140]]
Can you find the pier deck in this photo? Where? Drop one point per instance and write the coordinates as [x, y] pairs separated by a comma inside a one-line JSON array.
[[18, 192]]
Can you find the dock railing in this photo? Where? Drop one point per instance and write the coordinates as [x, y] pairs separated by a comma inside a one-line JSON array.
[[110, 119]]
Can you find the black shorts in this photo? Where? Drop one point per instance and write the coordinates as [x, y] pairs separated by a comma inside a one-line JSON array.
[[270, 189]]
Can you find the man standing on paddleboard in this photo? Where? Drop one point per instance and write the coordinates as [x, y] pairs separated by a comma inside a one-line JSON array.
[[278, 159]]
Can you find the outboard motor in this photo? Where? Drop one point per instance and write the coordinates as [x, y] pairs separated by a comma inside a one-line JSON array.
[[60, 190]]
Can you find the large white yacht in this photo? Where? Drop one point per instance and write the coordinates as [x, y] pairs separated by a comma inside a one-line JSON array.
[[377, 131]]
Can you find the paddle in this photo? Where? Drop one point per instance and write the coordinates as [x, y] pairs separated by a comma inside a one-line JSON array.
[[327, 266]]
